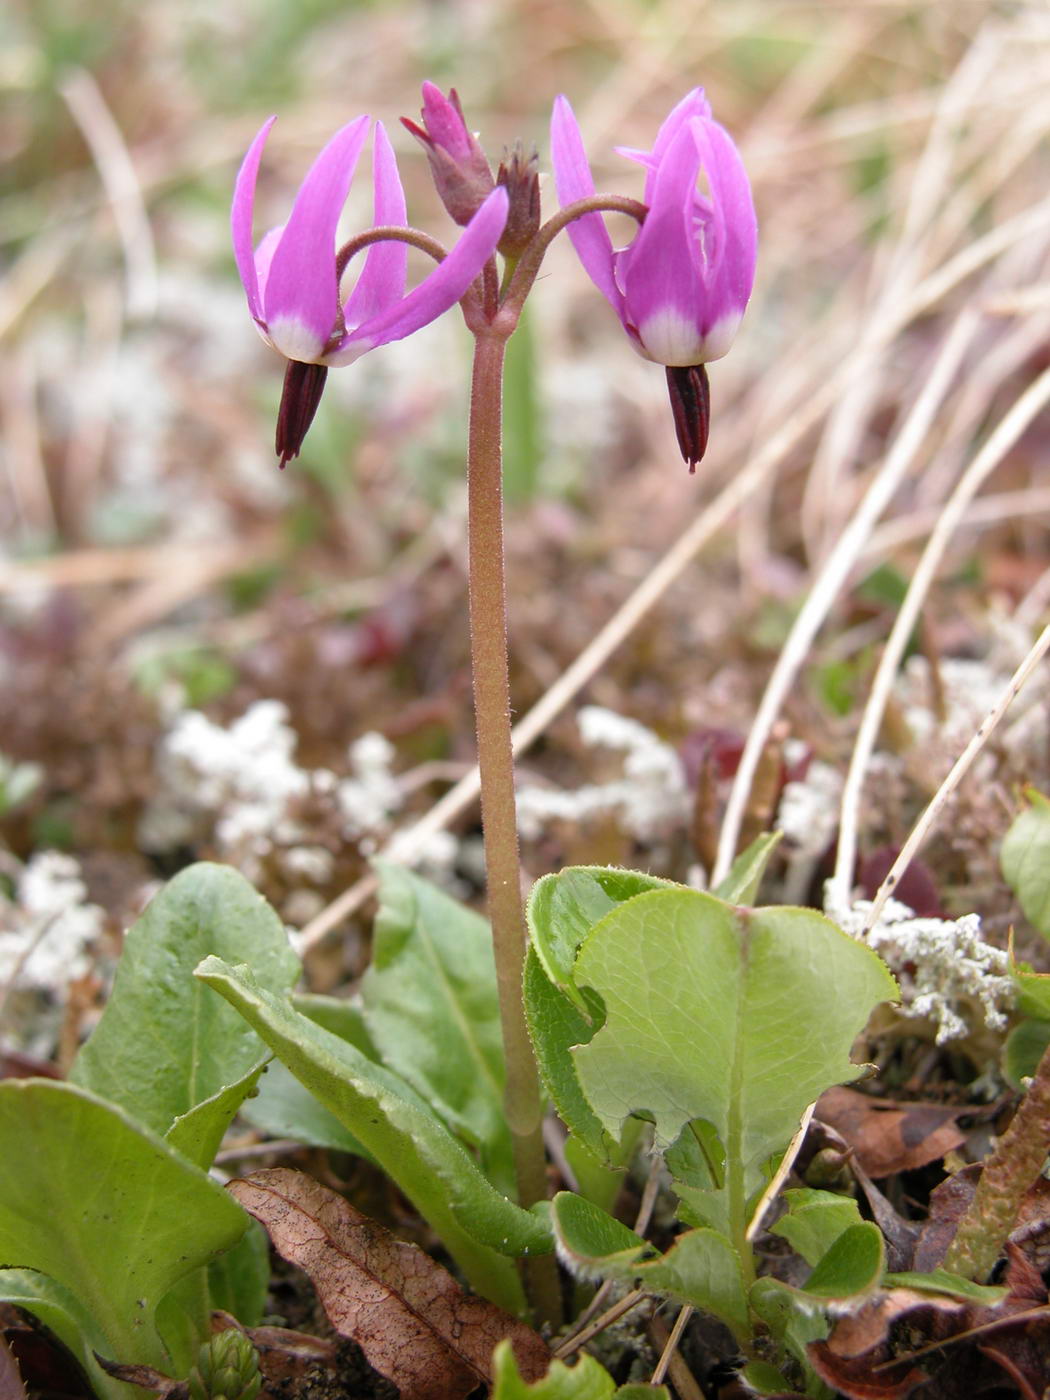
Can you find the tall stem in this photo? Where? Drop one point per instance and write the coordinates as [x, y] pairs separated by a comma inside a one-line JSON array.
[[488, 641]]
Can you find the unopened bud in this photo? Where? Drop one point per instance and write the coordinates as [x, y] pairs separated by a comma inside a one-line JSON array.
[[459, 166], [519, 177], [227, 1369], [691, 405]]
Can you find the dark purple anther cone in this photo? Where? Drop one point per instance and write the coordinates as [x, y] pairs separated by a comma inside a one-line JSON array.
[[303, 387], [691, 406]]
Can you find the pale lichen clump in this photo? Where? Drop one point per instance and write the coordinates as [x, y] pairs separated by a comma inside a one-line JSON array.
[[651, 799], [239, 789], [47, 929], [948, 974]]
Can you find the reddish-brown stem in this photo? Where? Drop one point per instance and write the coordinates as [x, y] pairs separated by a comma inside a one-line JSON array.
[[488, 639], [529, 265]]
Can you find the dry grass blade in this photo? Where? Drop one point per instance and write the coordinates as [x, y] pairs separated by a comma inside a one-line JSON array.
[[959, 770]]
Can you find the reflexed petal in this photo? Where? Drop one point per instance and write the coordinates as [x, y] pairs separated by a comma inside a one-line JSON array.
[[662, 268], [382, 280], [732, 274], [693, 105], [302, 295], [438, 291], [573, 180], [241, 218]]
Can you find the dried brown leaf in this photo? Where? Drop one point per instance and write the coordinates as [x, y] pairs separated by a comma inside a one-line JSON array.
[[11, 1386], [888, 1136], [412, 1320]]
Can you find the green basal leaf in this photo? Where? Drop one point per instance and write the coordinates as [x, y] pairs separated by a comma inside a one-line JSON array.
[[107, 1210], [941, 1281], [1024, 1047], [736, 1018], [701, 1267], [71, 1323], [284, 1108], [431, 1006], [794, 1320], [1033, 991], [198, 1134], [814, 1221], [853, 1266], [596, 1180], [239, 1280], [556, 1026], [563, 908], [639, 1391], [164, 1043], [591, 1243], [740, 886], [478, 1226], [1025, 860], [586, 1380], [763, 1378], [343, 1016]]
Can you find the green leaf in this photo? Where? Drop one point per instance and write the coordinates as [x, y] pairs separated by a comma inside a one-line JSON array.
[[942, 1281], [556, 1026], [107, 1209], [1024, 1047], [701, 1267], [637, 1390], [164, 1043], [198, 1134], [853, 1266], [794, 1320], [1025, 859], [592, 1243], [1033, 991], [563, 908], [431, 1006], [740, 886], [239, 1280], [71, 1323], [586, 1380], [814, 1221], [423, 1159], [284, 1108], [763, 1378], [740, 1019]]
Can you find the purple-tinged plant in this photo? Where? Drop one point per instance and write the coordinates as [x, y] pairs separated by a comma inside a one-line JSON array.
[[460, 168], [681, 285], [292, 278]]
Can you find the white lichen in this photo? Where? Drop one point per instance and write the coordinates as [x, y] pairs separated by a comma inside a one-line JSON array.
[[48, 928], [650, 799], [947, 973], [238, 788]]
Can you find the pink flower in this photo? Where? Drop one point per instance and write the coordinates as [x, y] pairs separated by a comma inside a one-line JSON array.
[[680, 288], [292, 280]]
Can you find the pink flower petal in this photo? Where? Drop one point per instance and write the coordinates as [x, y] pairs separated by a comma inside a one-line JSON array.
[[302, 295], [438, 291], [573, 181], [382, 280], [662, 267], [241, 218]]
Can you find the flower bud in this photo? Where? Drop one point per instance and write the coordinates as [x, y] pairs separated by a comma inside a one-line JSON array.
[[460, 169], [519, 177], [227, 1368]]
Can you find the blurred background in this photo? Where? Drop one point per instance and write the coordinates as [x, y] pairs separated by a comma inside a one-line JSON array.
[[202, 656]]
